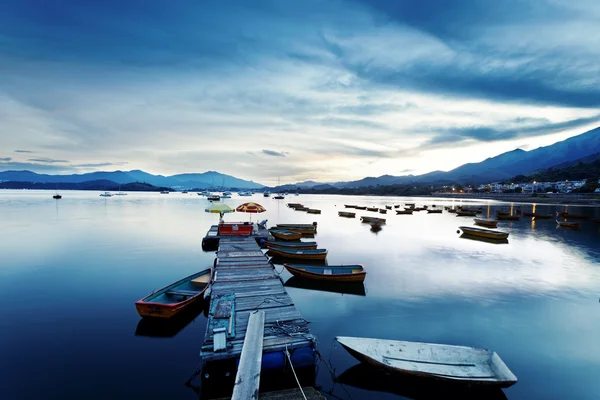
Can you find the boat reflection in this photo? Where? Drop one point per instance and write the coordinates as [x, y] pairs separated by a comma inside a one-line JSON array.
[[168, 328], [482, 239], [283, 260], [356, 288], [368, 378]]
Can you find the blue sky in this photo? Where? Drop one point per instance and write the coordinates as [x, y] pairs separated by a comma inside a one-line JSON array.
[[322, 90]]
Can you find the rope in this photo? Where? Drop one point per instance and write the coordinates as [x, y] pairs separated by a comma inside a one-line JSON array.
[[268, 300], [287, 353], [331, 371]]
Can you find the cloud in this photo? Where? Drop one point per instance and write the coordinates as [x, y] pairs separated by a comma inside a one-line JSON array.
[[5, 159], [35, 167], [23, 151], [47, 160], [274, 153], [97, 165]]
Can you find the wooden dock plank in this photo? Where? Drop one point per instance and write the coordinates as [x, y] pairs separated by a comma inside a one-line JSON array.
[[247, 379]]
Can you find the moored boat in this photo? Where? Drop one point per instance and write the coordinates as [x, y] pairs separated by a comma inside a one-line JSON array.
[[57, 196], [106, 194], [409, 204], [372, 209], [486, 233], [452, 210], [213, 197], [396, 205], [305, 229], [490, 223], [346, 214], [404, 212], [565, 214], [176, 297], [338, 273], [311, 254], [361, 207], [291, 245], [388, 207], [566, 224], [508, 217], [466, 213], [284, 234], [372, 219], [313, 211], [382, 211], [294, 205], [436, 211], [461, 364], [349, 206]]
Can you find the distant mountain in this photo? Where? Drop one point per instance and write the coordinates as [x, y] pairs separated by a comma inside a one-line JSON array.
[[203, 180], [101, 184], [504, 166]]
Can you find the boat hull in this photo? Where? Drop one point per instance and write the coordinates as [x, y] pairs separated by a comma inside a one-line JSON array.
[[490, 223], [346, 214], [292, 245], [372, 219], [485, 233], [352, 277], [314, 255], [289, 235], [404, 212]]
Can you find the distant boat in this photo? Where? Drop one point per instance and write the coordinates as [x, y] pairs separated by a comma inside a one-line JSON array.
[[306, 229], [372, 219], [346, 214], [338, 273], [459, 364], [502, 217], [279, 197], [120, 193], [349, 206], [437, 211], [204, 193], [375, 209], [404, 212], [173, 299], [382, 211], [266, 194], [106, 194], [244, 194], [164, 192], [361, 207], [57, 196], [466, 213], [537, 215], [486, 233], [490, 223], [565, 224], [388, 207], [184, 191], [213, 197], [313, 211], [225, 196]]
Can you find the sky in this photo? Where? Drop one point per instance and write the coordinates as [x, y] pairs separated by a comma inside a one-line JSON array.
[[324, 90]]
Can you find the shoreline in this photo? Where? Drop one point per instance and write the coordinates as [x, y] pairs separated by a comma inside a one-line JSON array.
[[582, 199]]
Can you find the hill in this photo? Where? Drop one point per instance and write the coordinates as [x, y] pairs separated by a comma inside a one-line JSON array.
[[102, 185]]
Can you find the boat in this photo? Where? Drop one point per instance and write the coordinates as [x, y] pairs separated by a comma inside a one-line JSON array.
[[459, 364], [57, 196], [301, 208], [349, 206], [266, 194], [508, 217], [452, 210], [372, 209], [346, 214], [486, 233], [502, 213], [294, 205], [106, 194], [372, 219], [490, 223], [244, 194], [382, 211], [337, 273], [312, 254], [376, 226], [465, 213], [404, 212], [284, 234], [388, 207], [565, 224], [226, 195], [419, 209], [439, 211], [355, 288], [313, 211], [176, 297], [291, 245], [565, 214], [307, 229], [483, 239], [183, 192], [164, 192], [119, 193], [213, 197], [397, 206], [409, 204], [279, 196], [361, 207], [425, 207]]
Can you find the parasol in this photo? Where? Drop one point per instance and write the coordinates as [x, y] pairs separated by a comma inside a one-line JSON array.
[[252, 208]]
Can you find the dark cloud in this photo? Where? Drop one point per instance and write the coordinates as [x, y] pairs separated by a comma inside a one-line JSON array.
[[275, 153], [23, 151], [5, 159], [105, 164], [35, 167], [47, 160]]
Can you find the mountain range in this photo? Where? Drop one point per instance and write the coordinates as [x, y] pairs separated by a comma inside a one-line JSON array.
[[203, 180], [581, 148]]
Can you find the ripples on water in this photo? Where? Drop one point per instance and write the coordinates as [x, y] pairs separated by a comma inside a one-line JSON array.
[[72, 269]]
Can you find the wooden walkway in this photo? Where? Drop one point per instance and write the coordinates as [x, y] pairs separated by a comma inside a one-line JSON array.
[[242, 271]]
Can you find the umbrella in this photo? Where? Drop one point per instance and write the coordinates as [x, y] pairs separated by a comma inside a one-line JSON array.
[[251, 207], [219, 208]]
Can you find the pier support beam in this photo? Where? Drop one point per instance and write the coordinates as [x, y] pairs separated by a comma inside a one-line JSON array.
[[247, 379]]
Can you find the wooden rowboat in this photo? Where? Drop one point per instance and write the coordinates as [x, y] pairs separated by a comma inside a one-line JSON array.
[[338, 273], [397, 206], [294, 205], [301, 208], [490, 223], [361, 207], [372, 209], [306, 229], [313, 211], [486, 233], [372, 219], [434, 211], [565, 224], [409, 204], [284, 234], [388, 207], [349, 206], [291, 245], [314, 254], [346, 214], [382, 211], [466, 213], [176, 297], [404, 212], [452, 210], [462, 364]]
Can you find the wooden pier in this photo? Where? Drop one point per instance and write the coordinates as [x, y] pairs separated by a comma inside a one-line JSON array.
[[211, 240], [246, 281]]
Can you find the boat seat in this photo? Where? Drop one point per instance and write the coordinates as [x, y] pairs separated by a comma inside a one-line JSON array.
[[201, 280], [181, 293]]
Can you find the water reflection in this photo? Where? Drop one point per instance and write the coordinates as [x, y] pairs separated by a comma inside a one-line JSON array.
[[170, 327], [368, 378], [356, 288]]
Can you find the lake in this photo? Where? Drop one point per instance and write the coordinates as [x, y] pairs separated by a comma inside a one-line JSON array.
[[72, 269]]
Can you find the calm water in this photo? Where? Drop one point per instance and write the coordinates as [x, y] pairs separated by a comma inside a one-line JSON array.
[[71, 270]]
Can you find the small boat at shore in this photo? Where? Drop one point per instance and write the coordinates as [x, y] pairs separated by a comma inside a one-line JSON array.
[[284, 234], [291, 245], [459, 364], [294, 205], [396, 205], [382, 211], [337, 273], [452, 210], [305, 229], [372, 219], [436, 211], [176, 297], [486, 233], [375, 209], [313, 211], [466, 213], [388, 207], [312, 254], [565, 224], [404, 212], [349, 206], [346, 214], [409, 204], [488, 222], [361, 207]]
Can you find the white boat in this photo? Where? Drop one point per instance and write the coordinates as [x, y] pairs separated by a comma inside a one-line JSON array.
[[267, 194], [205, 193], [468, 365], [244, 194], [106, 194], [120, 193], [164, 192]]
